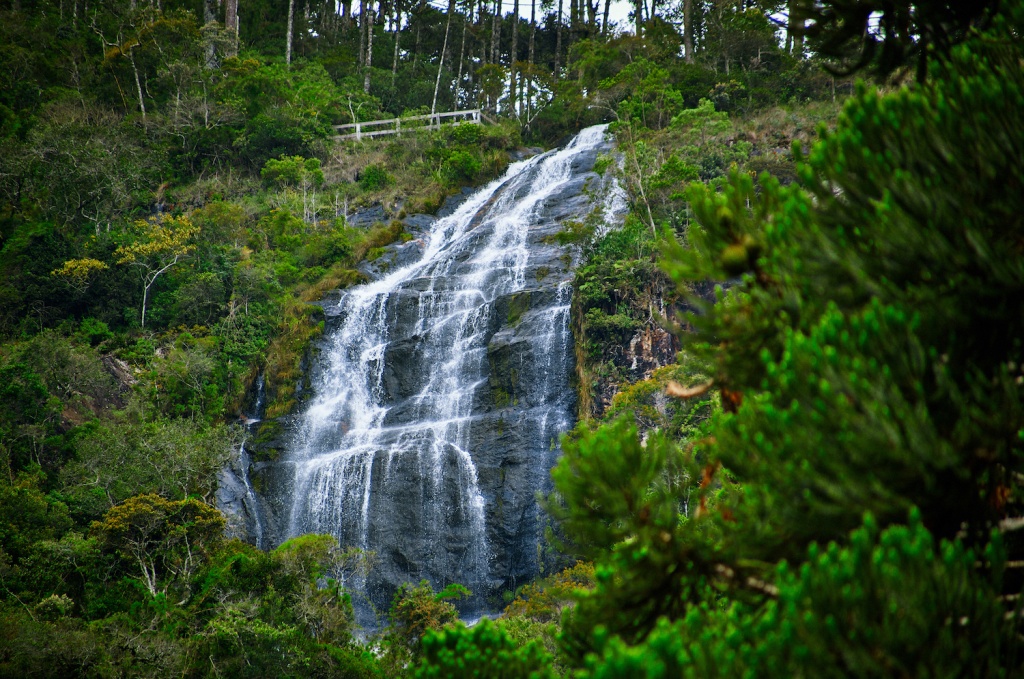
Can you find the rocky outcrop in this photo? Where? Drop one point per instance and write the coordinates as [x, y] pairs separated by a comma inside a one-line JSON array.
[[439, 392]]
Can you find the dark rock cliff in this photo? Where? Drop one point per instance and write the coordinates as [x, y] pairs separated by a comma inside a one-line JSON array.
[[439, 392]]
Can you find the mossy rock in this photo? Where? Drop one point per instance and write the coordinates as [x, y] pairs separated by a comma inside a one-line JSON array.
[[502, 377], [518, 305], [267, 445]]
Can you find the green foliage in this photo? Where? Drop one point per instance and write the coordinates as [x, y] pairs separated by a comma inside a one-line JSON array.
[[908, 35], [293, 171], [175, 458], [28, 516], [645, 401], [94, 331], [545, 599], [221, 221], [29, 415], [374, 178], [460, 167], [890, 601], [483, 650], [901, 337], [166, 540], [304, 562], [859, 376], [647, 96], [465, 133], [199, 302], [285, 110], [416, 609], [48, 385], [603, 162], [625, 480]]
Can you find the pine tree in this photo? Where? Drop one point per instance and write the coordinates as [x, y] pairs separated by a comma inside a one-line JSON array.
[[867, 353]]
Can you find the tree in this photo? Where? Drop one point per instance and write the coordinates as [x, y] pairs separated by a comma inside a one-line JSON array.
[[296, 171], [883, 36], [513, 90], [688, 29], [867, 451], [894, 602], [444, 52], [161, 244], [166, 540], [417, 609], [288, 34], [314, 568], [484, 650], [78, 272], [369, 50], [175, 458], [231, 24]]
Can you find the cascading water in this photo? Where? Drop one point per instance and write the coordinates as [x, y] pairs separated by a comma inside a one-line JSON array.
[[441, 390]]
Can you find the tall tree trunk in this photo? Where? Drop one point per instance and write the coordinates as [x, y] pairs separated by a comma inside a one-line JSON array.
[[369, 50], [305, 17], [573, 20], [639, 11], [688, 29], [231, 23], [362, 33], [558, 41], [288, 38], [397, 10], [346, 13], [479, 42], [529, 61], [496, 33], [513, 56], [138, 88], [796, 28], [604, 19], [416, 16], [592, 6], [444, 50], [208, 18], [462, 57]]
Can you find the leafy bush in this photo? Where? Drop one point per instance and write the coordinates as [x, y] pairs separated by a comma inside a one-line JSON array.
[[375, 178], [484, 650], [460, 166], [292, 171], [465, 133], [416, 609]]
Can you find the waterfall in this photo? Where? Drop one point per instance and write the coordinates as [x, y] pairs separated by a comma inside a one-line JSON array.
[[236, 496], [441, 389]]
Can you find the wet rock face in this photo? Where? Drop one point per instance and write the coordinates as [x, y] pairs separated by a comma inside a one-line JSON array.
[[650, 348], [440, 390]]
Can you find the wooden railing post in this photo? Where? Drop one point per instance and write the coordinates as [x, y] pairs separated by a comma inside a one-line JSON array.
[[394, 125]]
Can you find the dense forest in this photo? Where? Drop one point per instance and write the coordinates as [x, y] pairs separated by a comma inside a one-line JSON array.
[[799, 359]]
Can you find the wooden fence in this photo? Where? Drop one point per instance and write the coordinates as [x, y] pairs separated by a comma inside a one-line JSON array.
[[430, 121]]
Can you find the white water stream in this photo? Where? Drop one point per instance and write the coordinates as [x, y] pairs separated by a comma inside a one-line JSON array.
[[401, 378]]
